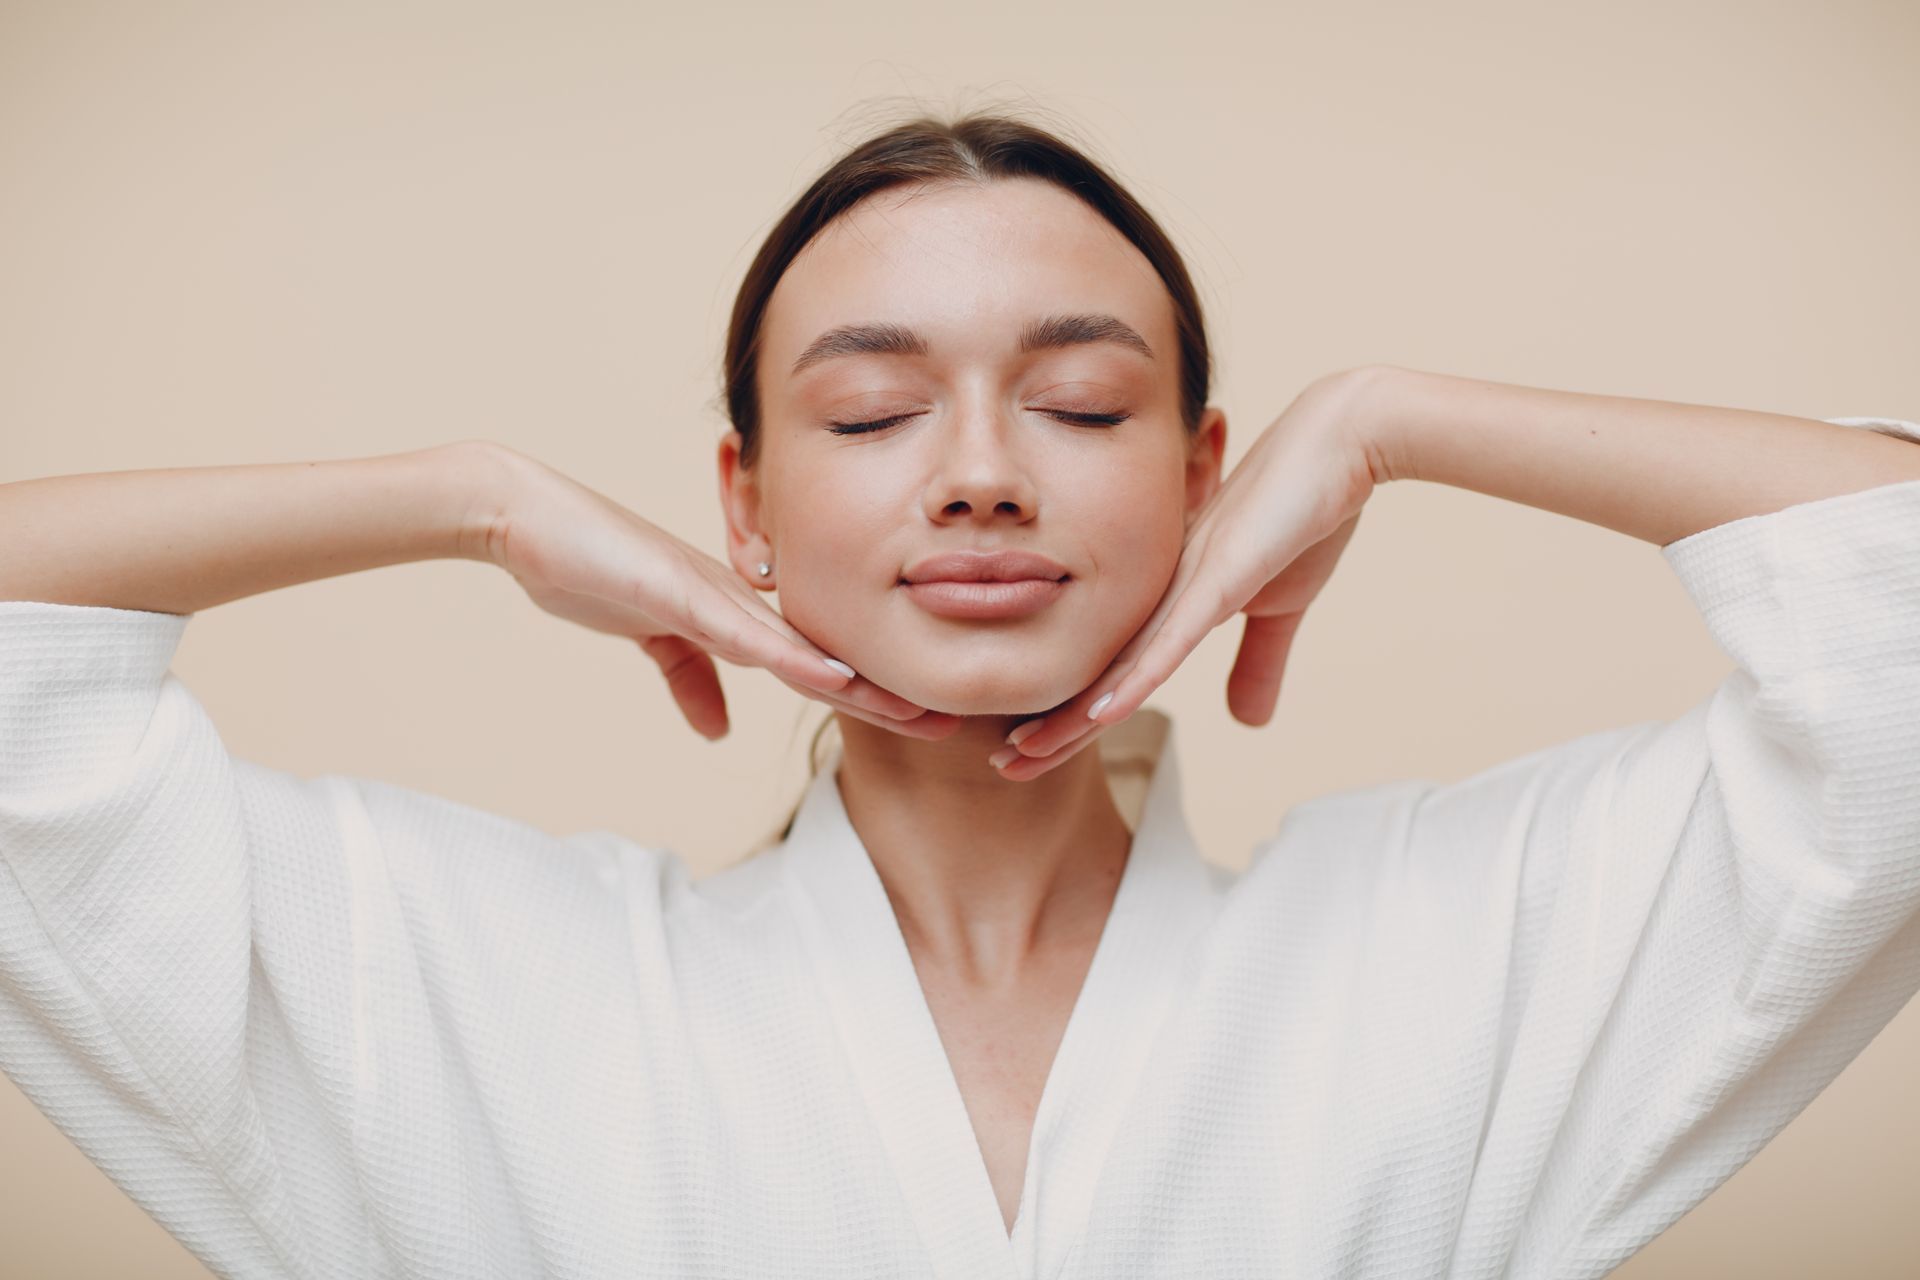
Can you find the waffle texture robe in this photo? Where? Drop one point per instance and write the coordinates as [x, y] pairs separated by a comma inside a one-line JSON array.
[[1509, 1026]]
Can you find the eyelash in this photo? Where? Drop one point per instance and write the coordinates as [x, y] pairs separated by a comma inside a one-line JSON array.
[[1081, 419]]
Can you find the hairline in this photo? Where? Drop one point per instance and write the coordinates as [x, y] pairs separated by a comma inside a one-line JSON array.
[[1046, 333]]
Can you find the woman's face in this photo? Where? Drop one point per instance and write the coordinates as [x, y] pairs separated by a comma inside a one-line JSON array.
[[975, 323]]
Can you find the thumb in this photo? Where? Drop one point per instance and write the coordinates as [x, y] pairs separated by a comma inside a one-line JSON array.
[[693, 680]]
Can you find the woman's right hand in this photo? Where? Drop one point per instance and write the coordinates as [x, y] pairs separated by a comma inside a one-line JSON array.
[[582, 556]]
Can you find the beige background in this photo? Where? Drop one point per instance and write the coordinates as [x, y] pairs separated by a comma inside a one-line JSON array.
[[236, 233]]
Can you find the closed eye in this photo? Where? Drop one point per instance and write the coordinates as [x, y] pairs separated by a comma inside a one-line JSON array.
[[1081, 419]]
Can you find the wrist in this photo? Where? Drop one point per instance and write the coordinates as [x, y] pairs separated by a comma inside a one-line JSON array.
[[486, 480], [1370, 406]]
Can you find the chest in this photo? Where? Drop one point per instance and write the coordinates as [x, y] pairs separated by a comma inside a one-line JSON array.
[[1001, 1045]]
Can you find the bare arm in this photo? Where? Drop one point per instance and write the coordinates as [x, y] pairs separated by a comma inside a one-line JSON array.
[[1655, 469], [1268, 536], [177, 540]]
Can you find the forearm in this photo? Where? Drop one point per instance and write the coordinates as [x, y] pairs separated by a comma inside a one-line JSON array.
[[1656, 469], [177, 540]]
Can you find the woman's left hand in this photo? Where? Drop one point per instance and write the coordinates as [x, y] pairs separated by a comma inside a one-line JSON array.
[[1263, 545]]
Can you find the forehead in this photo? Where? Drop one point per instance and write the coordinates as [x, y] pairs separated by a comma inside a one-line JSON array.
[[966, 264]]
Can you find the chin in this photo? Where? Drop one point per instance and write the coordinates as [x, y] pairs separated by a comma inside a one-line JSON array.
[[1028, 690]]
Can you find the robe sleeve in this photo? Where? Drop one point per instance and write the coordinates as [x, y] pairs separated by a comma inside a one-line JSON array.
[[216, 978], [1711, 916]]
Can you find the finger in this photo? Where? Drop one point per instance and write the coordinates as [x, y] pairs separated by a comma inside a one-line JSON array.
[[1200, 609], [930, 725], [693, 680], [1185, 619], [1026, 768], [746, 641], [1253, 686], [756, 610], [743, 636], [864, 692], [1041, 737], [1069, 721]]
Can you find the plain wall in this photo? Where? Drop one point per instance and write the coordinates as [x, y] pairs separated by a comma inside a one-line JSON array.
[[238, 233]]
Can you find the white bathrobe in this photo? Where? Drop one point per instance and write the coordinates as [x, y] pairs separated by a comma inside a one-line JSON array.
[[1513, 1025]]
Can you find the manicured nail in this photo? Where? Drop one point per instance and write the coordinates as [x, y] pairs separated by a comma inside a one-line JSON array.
[[1024, 732], [1002, 756], [839, 666], [1099, 705]]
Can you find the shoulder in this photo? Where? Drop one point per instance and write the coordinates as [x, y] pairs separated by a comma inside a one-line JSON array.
[[741, 887], [440, 853], [1405, 822]]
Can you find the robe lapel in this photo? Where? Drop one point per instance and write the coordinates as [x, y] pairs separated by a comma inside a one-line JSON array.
[[1165, 901], [1148, 953]]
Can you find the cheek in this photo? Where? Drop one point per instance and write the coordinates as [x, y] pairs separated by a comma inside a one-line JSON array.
[[1135, 552], [836, 544], [841, 534]]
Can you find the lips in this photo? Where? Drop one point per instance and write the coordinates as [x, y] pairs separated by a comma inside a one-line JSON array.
[[985, 584], [985, 599], [1004, 565]]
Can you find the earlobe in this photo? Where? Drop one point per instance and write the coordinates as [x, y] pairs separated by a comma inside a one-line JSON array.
[[746, 547]]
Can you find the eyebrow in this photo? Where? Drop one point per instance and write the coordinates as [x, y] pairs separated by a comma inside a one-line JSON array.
[[1047, 333]]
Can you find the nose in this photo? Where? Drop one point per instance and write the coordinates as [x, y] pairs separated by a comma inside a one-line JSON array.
[[980, 475]]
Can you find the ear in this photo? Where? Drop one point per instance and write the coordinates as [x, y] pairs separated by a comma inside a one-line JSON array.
[[740, 503], [1206, 448]]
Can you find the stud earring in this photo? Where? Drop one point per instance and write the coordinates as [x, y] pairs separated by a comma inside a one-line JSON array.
[[764, 569]]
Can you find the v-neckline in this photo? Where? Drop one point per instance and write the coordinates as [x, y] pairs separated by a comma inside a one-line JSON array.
[[1164, 902]]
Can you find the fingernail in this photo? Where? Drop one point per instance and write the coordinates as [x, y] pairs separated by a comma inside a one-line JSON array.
[[1024, 732], [1002, 756], [839, 666], [1099, 705]]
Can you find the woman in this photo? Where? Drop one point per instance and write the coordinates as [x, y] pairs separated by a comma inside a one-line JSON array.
[[984, 1010]]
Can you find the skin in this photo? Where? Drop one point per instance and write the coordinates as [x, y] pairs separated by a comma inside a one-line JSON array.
[[1001, 888], [972, 860], [1002, 877], [1268, 541]]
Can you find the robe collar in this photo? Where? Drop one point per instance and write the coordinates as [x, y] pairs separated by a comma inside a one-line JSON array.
[[1147, 953]]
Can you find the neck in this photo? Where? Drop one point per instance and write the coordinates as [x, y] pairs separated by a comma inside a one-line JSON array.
[[983, 872]]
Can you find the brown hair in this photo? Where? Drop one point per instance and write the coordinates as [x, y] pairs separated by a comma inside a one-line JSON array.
[[978, 146]]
